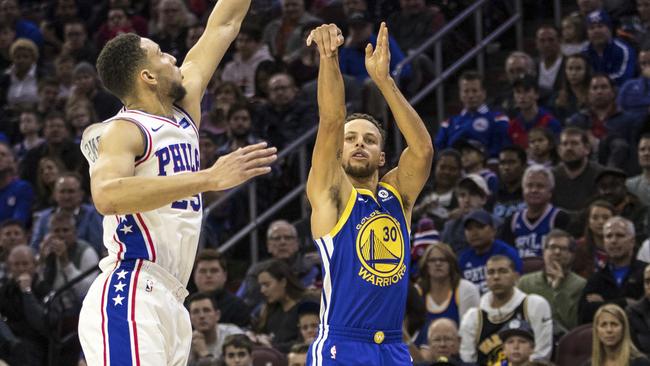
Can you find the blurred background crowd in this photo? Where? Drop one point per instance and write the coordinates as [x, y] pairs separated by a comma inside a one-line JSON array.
[[530, 242]]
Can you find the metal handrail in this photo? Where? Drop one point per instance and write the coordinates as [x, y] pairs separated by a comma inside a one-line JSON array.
[[442, 75], [282, 154], [49, 301], [464, 59], [436, 40], [254, 219], [261, 218], [439, 34]]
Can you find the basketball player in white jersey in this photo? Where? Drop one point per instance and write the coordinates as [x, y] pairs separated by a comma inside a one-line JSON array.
[[146, 181]]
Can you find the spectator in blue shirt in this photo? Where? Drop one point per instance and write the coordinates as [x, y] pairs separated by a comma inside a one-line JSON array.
[[10, 14], [476, 121], [481, 233], [634, 96], [68, 196], [16, 195], [606, 53], [614, 132], [352, 54]]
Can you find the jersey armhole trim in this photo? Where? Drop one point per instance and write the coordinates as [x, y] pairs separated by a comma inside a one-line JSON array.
[[146, 136], [394, 191], [345, 214]]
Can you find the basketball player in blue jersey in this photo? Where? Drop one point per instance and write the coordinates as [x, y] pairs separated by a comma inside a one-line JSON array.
[[361, 222], [146, 181]]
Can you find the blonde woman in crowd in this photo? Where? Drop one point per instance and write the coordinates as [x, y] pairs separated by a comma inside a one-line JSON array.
[[612, 344]]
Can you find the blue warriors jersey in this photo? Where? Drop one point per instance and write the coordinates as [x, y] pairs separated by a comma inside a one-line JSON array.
[[529, 236], [365, 259]]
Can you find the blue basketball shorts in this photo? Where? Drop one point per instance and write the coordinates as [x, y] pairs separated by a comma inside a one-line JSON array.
[[352, 346]]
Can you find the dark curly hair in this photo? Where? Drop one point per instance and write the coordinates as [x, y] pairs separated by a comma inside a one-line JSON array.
[[372, 120], [118, 63]]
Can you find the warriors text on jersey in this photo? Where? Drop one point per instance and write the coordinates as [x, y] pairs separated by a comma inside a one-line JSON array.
[[168, 235], [365, 259]]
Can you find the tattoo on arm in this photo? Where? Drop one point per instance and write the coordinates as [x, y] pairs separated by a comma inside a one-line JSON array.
[[339, 154]]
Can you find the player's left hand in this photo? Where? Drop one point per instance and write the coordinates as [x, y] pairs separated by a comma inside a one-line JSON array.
[[378, 60], [328, 38]]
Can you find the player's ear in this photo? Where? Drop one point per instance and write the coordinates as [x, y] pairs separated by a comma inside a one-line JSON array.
[[382, 158], [148, 77]]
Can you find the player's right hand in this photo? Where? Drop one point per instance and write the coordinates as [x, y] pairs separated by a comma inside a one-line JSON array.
[[241, 165], [328, 38]]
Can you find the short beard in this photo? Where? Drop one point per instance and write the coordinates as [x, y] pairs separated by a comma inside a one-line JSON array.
[[177, 92], [362, 172], [240, 135], [573, 165]]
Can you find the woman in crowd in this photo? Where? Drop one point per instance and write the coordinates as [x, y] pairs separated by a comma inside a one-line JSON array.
[[49, 168], [574, 35], [612, 344], [445, 293], [226, 94], [590, 250], [277, 325], [575, 88], [79, 112], [541, 147], [438, 200], [19, 84]]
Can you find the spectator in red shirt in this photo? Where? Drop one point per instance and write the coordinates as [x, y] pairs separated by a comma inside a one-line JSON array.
[[530, 115]]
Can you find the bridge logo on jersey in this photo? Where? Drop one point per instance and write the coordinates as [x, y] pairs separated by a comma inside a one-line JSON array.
[[380, 249]]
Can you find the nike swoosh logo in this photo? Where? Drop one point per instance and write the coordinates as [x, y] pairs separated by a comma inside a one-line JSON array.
[[156, 129]]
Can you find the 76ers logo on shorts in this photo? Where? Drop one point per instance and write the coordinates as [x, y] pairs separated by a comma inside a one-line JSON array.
[[380, 249]]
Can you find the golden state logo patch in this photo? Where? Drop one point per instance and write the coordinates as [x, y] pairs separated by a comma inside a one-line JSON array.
[[380, 249]]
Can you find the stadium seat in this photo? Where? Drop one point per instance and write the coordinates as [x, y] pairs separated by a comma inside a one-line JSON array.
[[575, 347], [266, 356], [532, 264]]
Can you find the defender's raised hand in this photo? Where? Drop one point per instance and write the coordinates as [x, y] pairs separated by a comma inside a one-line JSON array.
[[242, 164], [328, 38], [378, 60]]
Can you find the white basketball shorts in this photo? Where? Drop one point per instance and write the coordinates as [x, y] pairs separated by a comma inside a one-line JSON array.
[[134, 315]]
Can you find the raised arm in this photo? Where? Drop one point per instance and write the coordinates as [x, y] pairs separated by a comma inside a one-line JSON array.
[[202, 59], [414, 166], [327, 189], [116, 191]]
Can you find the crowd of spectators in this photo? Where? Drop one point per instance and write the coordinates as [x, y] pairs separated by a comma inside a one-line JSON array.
[[535, 220]]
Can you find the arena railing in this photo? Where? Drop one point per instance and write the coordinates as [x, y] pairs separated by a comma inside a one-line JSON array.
[[59, 317], [477, 52], [299, 146]]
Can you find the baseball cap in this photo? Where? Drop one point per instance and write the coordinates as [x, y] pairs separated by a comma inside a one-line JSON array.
[[476, 181], [481, 216], [599, 17], [517, 327], [525, 81], [425, 235], [469, 144], [611, 171], [359, 17]]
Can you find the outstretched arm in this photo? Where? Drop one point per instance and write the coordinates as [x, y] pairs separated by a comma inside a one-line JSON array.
[[202, 60], [116, 191], [327, 189], [414, 165]]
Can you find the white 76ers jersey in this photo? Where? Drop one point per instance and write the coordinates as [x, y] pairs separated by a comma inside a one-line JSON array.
[[168, 235]]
